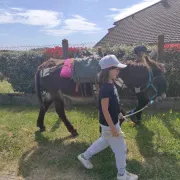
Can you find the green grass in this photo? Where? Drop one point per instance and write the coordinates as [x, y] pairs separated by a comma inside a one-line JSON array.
[[5, 87], [154, 146]]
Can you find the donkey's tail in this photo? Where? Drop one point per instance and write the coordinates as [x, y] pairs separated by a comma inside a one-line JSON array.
[[37, 87]]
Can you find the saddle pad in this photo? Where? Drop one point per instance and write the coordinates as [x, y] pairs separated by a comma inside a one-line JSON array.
[[45, 72], [85, 69]]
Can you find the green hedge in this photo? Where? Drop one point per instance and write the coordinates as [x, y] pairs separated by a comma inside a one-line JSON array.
[[171, 60], [19, 67]]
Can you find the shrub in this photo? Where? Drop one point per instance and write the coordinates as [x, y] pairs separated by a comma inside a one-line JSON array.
[[19, 69], [172, 62], [171, 59]]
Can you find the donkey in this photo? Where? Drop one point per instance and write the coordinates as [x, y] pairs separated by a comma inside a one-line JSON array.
[[57, 88]]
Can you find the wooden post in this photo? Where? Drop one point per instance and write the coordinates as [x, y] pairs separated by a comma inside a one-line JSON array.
[[65, 48], [160, 47]]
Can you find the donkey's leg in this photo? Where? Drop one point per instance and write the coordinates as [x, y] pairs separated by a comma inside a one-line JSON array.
[[59, 105], [142, 102], [43, 109]]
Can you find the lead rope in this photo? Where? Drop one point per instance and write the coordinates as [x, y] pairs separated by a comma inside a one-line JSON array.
[[107, 133], [129, 115]]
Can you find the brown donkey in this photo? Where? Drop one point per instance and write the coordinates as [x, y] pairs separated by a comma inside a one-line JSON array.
[[57, 88]]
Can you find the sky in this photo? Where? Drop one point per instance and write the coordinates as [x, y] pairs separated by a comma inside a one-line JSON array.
[[46, 22]]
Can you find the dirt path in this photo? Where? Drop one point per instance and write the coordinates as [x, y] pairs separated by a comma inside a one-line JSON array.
[[9, 176]]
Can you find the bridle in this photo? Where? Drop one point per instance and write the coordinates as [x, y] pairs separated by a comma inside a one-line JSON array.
[[152, 99], [149, 85]]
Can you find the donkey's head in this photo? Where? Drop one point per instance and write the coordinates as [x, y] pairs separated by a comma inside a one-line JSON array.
[[139, 75]]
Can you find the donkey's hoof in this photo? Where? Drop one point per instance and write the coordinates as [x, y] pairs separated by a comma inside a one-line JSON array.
[[42, 129], [74, 133]]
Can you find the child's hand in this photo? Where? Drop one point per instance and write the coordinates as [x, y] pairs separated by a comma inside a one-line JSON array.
[[114, 132], [120, 116]]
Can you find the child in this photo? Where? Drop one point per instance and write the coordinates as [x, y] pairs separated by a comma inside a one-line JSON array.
[[109, 109], [141, 53]]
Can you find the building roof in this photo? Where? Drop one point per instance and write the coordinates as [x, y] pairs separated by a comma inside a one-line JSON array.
[[145, 25]]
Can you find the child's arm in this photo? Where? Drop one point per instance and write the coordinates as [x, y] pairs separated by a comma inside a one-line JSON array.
[[104, 104]]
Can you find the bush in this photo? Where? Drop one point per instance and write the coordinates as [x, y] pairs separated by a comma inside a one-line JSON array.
[[124, 52], [19, 69], [171, 60]]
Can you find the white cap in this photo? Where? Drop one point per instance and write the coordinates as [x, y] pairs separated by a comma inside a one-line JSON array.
[[110, 61]]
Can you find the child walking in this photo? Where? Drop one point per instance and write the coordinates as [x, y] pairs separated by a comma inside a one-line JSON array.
[[109, 110]]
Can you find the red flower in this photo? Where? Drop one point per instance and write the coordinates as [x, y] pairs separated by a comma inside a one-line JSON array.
[[57, 51], [169, 46]]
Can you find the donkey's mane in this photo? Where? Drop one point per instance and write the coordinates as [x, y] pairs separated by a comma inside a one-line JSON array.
[[133, 72], [137, 65]]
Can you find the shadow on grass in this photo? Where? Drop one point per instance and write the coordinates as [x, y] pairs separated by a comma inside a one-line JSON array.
[[161, 166], [23, 108], [56, 125], [88, 110], [18, 109], [167, 123], [144, 140], [58, 160]]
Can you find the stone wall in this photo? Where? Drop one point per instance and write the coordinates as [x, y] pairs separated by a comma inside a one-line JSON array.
[[31, 100], [18, 99]]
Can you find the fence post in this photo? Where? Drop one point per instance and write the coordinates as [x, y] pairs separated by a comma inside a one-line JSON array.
[[100, 52], [65, 48], [160, 47]]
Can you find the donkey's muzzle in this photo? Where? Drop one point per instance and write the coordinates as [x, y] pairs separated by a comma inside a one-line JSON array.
[[160, 98]]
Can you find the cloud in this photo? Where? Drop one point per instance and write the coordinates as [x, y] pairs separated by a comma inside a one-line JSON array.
[[122, 13], [17, 9], [58, 32], [49, 21], [74, 25], [114, 9], [46, 18], [78, 23]]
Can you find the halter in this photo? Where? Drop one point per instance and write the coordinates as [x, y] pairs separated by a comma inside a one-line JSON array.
[[150, 84]]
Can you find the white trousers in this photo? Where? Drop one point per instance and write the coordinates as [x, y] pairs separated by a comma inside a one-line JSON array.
[[117, 145]]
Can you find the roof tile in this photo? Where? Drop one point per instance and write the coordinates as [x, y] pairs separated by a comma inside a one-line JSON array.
[[146, 25]]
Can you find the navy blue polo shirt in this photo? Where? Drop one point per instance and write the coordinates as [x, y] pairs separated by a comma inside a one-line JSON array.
[[109, 90]]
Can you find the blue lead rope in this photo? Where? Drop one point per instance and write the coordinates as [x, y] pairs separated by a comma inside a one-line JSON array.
[[133, 113]]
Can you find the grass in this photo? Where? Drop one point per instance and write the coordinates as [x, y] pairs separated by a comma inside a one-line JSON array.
[[154, 146]]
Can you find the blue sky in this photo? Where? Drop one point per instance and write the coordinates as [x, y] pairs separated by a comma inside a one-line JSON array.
[[46, 22]]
